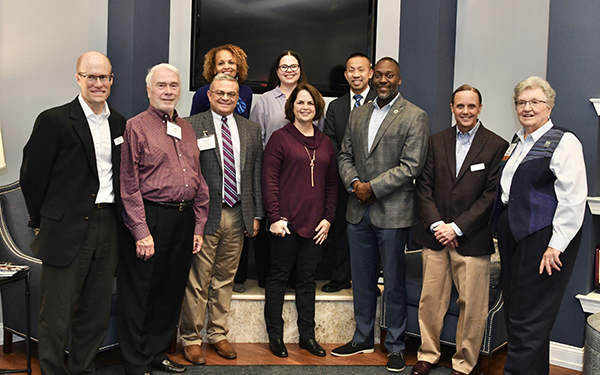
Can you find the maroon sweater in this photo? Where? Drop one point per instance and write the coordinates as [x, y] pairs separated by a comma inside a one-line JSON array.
[[286, 181]]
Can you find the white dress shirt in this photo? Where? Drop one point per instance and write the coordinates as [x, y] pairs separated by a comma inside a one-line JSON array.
[[235, 138], [568, 165], [100, 130], [377, 118], [363, 94]]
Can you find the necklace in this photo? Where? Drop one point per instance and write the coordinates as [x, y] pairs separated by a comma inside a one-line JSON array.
[[312, 165]]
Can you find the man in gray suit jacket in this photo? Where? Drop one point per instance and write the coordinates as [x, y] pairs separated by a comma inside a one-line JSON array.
[[383, 152], [455, 194], [231, 160]]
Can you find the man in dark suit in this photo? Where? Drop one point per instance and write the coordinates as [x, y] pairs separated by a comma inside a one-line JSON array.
[[383, 151], [231, 160], [358, 73], [455, 192], [70, 180]]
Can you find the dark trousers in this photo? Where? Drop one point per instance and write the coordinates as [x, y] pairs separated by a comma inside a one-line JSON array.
[[288, 253], [262, 254], [76, 299], [531, 300], [150, 292], [242, 272], [370, 245], [341, 269]]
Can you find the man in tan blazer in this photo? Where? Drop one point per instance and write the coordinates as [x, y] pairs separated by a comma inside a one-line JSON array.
[[455, 194], [382, 153], [231, 159]]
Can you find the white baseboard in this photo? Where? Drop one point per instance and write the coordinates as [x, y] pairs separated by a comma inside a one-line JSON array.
[[566, 356]]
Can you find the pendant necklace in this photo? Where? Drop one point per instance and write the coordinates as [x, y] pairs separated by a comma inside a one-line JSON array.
[[312, 165]]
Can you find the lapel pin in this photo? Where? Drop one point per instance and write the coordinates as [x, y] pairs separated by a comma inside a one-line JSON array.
[[396, 112], [547, 144]]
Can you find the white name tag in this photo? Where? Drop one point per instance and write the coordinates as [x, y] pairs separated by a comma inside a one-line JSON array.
[[207, 143], [174, 130], [477, 167], [118, 140]]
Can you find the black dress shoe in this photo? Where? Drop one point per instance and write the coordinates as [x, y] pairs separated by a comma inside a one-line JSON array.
[[278, 348], [168, 366], [313, 347], [335, 286]]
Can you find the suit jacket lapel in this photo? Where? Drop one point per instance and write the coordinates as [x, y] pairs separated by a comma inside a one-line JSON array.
[[364, 130], [387, 121], [450, 147], [209, 126], [476, 147], [82, 129], [242, 131]]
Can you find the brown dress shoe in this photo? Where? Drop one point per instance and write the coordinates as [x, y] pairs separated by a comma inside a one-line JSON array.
[[225, 349], [421, 368], [194, 354]]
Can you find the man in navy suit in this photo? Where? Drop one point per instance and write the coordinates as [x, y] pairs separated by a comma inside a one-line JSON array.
[[358, 73], [70, 180]]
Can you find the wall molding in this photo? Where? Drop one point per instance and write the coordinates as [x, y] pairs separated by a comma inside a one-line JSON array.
[[566, 356]]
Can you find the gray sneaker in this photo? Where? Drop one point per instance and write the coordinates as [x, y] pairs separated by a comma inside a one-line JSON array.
[[395, 362]]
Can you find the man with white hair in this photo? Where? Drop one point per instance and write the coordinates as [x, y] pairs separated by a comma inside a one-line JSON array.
[[165, 201]]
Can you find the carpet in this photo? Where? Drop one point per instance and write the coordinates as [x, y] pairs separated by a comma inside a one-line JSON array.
[[278, 370]]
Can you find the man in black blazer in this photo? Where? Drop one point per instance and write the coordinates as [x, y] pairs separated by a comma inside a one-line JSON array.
[[231, 159], [358, 73], [455, 193], [70, 180]]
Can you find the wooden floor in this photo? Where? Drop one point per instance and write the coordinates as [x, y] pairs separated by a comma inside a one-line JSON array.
[[259, 354]]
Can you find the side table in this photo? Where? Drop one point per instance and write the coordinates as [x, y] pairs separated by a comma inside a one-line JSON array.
[[21, 275]]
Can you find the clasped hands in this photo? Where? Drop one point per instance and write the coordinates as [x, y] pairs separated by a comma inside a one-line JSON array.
[[446, 235], [363, 192], [144, 248], [280, 229]]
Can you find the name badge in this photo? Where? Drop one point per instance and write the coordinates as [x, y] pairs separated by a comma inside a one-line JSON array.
[[174, 130], [477, 167], [207, 143], [118, 140]]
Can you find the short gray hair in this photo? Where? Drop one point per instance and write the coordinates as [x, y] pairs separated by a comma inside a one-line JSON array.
[[223, 77], [152, 70], [533, 83]]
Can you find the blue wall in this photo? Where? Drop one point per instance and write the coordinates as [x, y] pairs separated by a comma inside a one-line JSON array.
[[573, 71]]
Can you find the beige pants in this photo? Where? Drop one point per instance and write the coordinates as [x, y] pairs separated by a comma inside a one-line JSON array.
[[471, 275], [211, 281]]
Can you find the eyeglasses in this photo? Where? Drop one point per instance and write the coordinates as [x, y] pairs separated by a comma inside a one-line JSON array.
[[91, 79], [534, 103], [220, 94], [285, 68]]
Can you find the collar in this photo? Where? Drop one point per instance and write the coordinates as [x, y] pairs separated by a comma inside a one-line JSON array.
[[217, 117], [87, 111], [536, 134], [390, 104], [471, 132], [364, 93], [161, 115], [277, 91]]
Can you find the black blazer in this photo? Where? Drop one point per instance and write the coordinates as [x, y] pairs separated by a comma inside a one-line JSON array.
[[465, 199], [337, 118], [59, 179]]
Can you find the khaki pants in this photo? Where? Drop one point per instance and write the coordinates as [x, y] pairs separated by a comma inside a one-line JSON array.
[[210, 284], [471, 275]]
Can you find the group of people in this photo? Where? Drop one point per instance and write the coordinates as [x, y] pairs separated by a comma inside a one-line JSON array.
[[168, 204]]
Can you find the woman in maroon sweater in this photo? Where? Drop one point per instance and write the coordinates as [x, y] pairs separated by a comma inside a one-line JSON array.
[[299, 182]]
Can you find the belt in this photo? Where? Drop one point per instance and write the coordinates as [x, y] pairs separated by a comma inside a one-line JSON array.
[[225, 205], [103, 205], [181, 206]]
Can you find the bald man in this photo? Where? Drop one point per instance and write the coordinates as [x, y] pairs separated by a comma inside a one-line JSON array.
[[70, 180]]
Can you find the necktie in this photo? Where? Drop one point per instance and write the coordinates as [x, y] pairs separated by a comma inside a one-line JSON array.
[[357, 99], [229, 182]]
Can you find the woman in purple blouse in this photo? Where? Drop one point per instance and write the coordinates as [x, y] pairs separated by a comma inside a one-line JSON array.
[[299, 183]]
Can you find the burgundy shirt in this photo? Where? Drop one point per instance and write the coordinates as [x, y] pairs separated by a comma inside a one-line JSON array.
[[286, 180], [160, 168]]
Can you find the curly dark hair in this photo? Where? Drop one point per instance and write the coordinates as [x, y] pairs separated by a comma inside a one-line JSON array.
[[238, 55]]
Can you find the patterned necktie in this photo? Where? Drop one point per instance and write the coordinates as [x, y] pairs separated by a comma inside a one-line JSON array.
[[229, 182], [357, 99]]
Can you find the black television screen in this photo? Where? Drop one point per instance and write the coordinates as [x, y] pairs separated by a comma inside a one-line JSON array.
[[323, 32]]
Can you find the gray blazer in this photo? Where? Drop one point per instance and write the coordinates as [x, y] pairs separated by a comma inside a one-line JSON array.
[[396, 158], [212, 169]]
